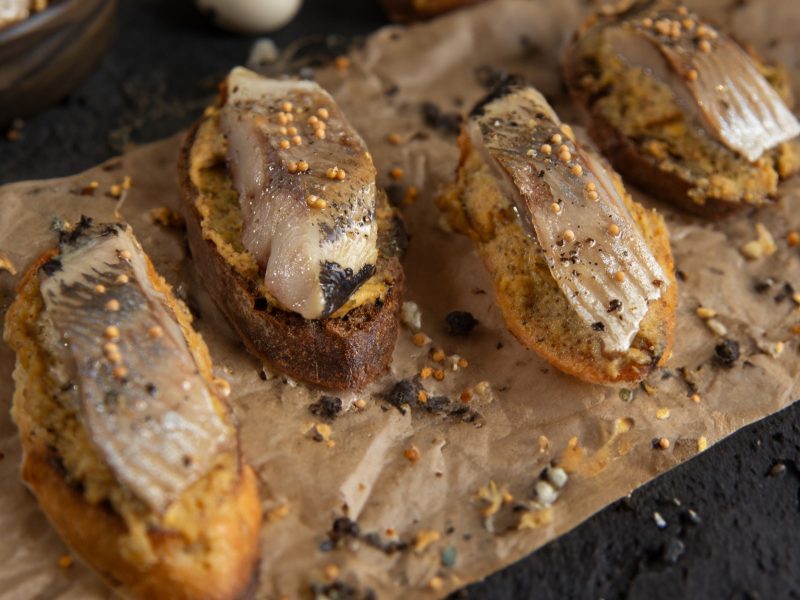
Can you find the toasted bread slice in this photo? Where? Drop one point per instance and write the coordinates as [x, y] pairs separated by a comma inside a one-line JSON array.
[[205, 544], [647, 133], [347, 350], [534, 306]]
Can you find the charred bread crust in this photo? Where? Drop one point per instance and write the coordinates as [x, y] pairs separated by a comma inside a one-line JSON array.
[[533, 307], [661, 173], [219, 563], [341, 353]]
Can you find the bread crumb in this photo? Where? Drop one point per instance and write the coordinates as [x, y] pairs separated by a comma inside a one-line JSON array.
[[277, 513], [764, 245], [706, 313], [425, 372], [695, 398], [425, 538], [6, 264], [166, 217], [662, 413], [544, 443], [360, 403], [410, 315], [702, 443], [437, 355]]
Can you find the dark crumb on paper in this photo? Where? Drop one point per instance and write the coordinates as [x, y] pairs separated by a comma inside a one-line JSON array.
[[437, 119], [787, 291], [327, 407], [339, 590], [598, 326], [726, 353], [386, 546], [763, 286], [614, 305], [396, 194], [689, 378], [343, 528], [529, 47], [406, 393], [489, 77], [460, 322], [680, 275]]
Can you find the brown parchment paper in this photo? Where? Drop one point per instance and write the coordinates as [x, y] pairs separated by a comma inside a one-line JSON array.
[[365, 474]]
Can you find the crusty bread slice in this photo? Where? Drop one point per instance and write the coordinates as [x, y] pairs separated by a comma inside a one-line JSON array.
[[533, 306], [639, 126], [206, 545], [345, 351]]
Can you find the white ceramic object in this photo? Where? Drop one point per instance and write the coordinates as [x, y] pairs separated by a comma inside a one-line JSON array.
[[251, 16]]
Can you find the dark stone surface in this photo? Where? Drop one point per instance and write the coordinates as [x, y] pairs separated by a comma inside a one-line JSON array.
[[743, 538]]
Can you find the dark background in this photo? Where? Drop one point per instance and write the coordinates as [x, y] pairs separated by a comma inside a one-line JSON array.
[[743, 538]]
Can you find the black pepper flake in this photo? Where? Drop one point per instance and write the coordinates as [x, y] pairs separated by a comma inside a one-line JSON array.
[[726, 353], [614, 305], [386, 546], [151, 389], [343, 528], [460, 322], [327, 407], [787, 291], [762, 287], [435, 118], [406, 393], [337, 590], [598, 326]]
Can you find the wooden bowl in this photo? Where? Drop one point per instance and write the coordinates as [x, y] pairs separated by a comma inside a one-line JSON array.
[[47, 55]]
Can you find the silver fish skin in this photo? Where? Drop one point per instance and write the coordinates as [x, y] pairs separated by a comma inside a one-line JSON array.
[[594, 249], [145, 406], [306, 186], [713, 79]]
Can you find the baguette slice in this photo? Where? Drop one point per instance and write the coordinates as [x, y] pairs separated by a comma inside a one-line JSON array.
[[348, 349], [646, 79], [540, 209], [151, 491]]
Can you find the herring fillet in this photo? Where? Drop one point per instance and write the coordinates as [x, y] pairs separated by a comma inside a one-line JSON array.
[[712, 77], [608, 279], [154, 423], [307, 199]]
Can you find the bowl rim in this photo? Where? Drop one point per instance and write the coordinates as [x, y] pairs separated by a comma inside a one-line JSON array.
[[55, 9]]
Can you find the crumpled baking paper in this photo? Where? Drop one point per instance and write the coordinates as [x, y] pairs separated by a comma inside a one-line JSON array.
[[458, 495]]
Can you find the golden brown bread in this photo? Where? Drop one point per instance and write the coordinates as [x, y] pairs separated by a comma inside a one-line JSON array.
[[206, 545], [639, 126], [345, 351], [533, 307]]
